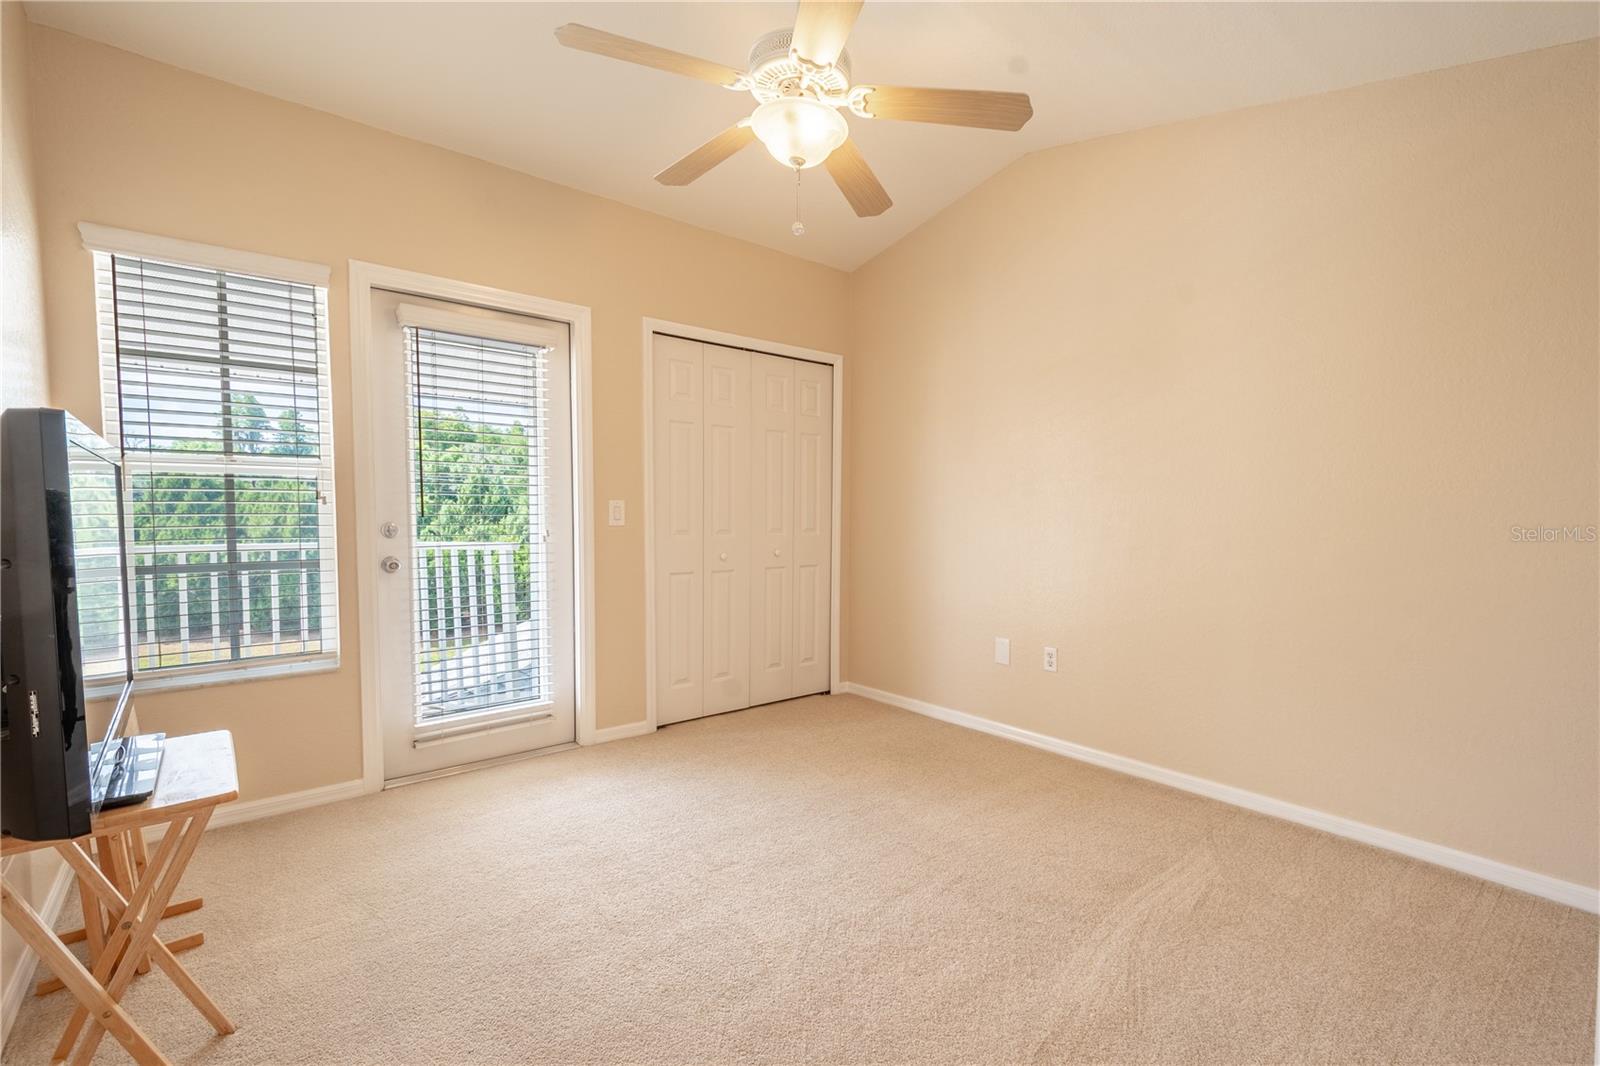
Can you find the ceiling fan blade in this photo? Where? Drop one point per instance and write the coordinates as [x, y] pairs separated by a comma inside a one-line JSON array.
[[723, 146], [821, 27], [601, 43], [948, 107], [857, 181]]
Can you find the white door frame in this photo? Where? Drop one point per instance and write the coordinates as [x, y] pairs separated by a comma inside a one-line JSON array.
[[734, 340], [364, 277]]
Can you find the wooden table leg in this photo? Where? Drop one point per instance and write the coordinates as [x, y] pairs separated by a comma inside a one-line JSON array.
[[120, 935], [145, 917], [138, 860], [94, 923], [121, 869], [96, 882], [108, 1014], [138, 849]]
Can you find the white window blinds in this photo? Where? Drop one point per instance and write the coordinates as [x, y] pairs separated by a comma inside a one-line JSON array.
[[479, 498], [216, 387]]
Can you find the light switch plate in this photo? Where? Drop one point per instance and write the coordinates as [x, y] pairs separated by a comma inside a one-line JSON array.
[[1002, 650], [617, 513]]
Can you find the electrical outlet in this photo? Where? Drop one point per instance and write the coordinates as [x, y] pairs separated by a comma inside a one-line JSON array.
[[618, 513], [1050, 660], [1002, 650]]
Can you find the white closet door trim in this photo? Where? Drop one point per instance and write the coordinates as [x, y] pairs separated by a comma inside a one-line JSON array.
[[652, 326]]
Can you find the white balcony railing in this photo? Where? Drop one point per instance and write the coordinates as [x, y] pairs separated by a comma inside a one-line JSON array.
[[475, 640], [192, 605]]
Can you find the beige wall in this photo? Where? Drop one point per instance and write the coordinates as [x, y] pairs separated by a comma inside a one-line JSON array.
[[25, 381], [132, 143], [24, 377], [1240, 413]]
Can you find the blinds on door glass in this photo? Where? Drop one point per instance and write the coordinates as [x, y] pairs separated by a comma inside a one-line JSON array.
[[481, 617], [216, 388]]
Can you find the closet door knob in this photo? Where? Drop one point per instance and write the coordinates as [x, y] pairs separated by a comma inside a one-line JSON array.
[[723, 556], [776, 552]]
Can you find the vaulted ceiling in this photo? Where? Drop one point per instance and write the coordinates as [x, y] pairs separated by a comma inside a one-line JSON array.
[[489, 80]]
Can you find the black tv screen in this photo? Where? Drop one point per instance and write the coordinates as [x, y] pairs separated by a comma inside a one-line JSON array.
[[65, 620]]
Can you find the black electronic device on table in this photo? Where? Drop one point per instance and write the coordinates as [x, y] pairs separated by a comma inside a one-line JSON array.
[[65, 619], [129, 768]]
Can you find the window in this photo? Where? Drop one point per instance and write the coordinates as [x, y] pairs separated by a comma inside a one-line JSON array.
[[479, 493], [215, 384]]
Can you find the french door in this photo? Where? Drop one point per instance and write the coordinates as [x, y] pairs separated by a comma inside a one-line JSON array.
[[473, 435]]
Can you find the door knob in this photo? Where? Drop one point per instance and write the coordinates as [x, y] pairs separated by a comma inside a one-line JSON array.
[[723, 556], [777, 552], [390, 564]]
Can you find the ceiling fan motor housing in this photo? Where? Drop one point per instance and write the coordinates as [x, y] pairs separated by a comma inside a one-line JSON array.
[[774, 74]]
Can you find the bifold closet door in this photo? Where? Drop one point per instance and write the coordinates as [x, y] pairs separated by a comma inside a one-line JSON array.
[[678, 503], [813, 527], [727, 526], [772, 544], [742, 495], [791, 469]]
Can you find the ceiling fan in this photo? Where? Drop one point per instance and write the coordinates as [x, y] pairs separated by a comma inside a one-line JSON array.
[[801, 81]]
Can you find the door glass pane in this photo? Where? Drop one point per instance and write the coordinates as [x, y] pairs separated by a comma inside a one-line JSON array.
[[481, 619]]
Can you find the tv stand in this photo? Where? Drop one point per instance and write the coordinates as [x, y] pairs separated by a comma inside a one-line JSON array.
[[123, 859], [198, 774]]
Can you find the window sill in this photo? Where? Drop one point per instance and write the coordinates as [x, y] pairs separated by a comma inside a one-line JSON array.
[[211, 674]]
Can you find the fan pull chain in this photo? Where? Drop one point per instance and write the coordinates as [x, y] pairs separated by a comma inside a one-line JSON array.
[[799, 227]]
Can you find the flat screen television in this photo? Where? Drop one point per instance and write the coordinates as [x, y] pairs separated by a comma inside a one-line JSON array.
[[65, 622]]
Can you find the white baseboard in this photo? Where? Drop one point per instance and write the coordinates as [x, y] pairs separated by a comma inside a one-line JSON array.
[[250, 810], [622, 732], [20, 981], [1573, 895]]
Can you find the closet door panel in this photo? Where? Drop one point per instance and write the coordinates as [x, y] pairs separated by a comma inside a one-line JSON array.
[[679, 518], [727, 529], [813, 526], [772, 492]]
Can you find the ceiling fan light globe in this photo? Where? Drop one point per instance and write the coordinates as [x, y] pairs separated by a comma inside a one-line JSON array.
[[798, 131]]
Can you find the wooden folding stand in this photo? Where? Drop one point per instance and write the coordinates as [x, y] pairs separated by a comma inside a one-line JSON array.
[[122, 858], [198, 774]]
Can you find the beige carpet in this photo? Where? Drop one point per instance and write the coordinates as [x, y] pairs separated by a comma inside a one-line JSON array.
[[831, 880]]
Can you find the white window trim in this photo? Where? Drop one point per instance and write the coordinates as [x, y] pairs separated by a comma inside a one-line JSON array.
[[112, 241], [98, 238]]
